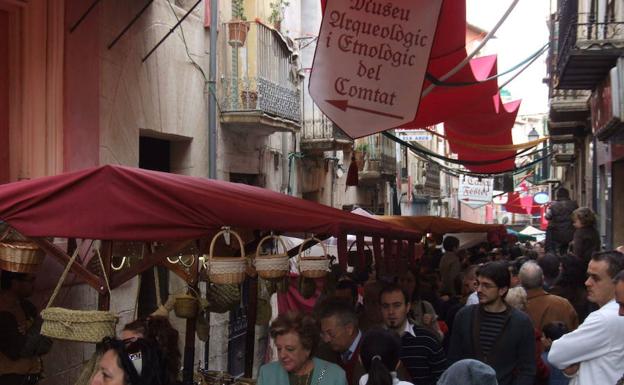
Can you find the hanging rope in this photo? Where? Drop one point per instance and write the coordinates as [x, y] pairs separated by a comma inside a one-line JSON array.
[[490, 147]]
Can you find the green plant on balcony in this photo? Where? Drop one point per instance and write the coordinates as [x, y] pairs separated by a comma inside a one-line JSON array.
[[238, 26], [277, 12]]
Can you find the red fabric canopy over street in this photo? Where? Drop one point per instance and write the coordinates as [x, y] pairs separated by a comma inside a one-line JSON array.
[[521, 204], [124, 203], [492, 128], [440, 225]]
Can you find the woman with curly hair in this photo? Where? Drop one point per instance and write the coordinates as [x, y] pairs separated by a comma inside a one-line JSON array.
[[296, 336], [159, 330], [586, 238]]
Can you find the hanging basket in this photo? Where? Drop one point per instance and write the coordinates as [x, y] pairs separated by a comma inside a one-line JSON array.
[[237, 32], [226, 270], [353, 257], [20, 256], [272, 266], [186, 306], [313, 267], [77, 325], [223, 298]]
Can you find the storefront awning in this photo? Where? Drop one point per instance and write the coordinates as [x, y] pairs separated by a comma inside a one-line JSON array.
[[125, 203]]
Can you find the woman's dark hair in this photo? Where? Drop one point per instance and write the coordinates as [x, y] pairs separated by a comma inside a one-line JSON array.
[[379, 353], [7, 278], [554, 330], [572, 272], [159, 330], [303, 325], [152, 360]]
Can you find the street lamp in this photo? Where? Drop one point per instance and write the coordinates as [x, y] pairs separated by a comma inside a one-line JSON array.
[[533, 134]]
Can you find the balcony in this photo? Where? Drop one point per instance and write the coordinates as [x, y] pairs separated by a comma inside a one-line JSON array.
[[379, 159], [258, 86], [567, 105], [587, 47], [318, 133]]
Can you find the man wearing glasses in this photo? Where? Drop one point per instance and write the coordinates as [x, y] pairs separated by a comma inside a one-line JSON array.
[[493, 332], [21, 343]]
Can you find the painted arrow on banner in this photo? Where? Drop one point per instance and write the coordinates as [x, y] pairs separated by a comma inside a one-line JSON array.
[[344, 104]]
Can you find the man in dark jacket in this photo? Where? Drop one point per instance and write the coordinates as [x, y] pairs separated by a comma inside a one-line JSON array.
[[560, 228], [495, 333]]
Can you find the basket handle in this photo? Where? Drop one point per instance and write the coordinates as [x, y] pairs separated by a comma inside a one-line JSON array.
[[281, 241], [365, 245], [309, 240], [223, 232], [62, 278]]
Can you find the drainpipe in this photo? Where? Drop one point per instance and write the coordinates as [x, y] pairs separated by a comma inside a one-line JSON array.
[[212, 92]]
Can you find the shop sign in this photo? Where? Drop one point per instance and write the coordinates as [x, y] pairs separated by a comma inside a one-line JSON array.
[[370, 62], [541, 198], [414, 135], [475, 192]]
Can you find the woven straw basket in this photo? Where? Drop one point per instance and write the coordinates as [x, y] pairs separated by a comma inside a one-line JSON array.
[[77, 325], [272, 266], [226, 270], [313, 267], [20, 256], [186, 305]]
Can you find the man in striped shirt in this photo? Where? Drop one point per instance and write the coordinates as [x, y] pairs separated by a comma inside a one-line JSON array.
[[421, 353], [495, 333]]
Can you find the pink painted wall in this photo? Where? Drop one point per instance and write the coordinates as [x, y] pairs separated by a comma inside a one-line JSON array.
[[4, 97], [81, 136]]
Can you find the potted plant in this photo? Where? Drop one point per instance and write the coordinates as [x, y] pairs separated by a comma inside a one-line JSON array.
[[238, 26], [277, 12], [361, 154]]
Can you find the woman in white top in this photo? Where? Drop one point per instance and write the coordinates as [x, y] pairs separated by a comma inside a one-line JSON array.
[[379, 352]]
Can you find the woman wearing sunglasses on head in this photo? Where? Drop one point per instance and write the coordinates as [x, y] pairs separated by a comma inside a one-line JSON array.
[[139, 362]]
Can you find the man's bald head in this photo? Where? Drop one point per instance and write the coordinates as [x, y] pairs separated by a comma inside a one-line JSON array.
[[531, 275]]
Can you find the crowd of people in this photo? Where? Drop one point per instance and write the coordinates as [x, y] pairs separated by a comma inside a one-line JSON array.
[[409, 328], [520, 314]]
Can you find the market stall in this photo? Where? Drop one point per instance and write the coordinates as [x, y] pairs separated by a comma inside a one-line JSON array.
[[112, 204]]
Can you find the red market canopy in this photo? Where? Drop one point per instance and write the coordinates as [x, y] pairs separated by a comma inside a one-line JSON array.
[[124, 203], [439, 225], [518, 204], [444, 103], [492, 129]]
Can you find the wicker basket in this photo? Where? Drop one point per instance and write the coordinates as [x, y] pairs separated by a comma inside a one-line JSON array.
[[186, 306], [20, 257], [272, 266], [227, 270], [77, 325], [313, 267], [223, 298]]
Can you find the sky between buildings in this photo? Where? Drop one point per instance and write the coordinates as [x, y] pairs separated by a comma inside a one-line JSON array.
[[522, 34]]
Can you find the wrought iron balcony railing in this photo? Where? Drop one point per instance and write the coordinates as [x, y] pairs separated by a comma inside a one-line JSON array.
[[257, 75]]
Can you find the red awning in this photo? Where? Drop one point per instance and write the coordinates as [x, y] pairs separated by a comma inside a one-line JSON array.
[[521, 204], [444, 103], [493, 128], [440, 225], [124, 203]]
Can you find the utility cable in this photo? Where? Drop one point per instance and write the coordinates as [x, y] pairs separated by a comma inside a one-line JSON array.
[[461, 65], [439, 83]]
